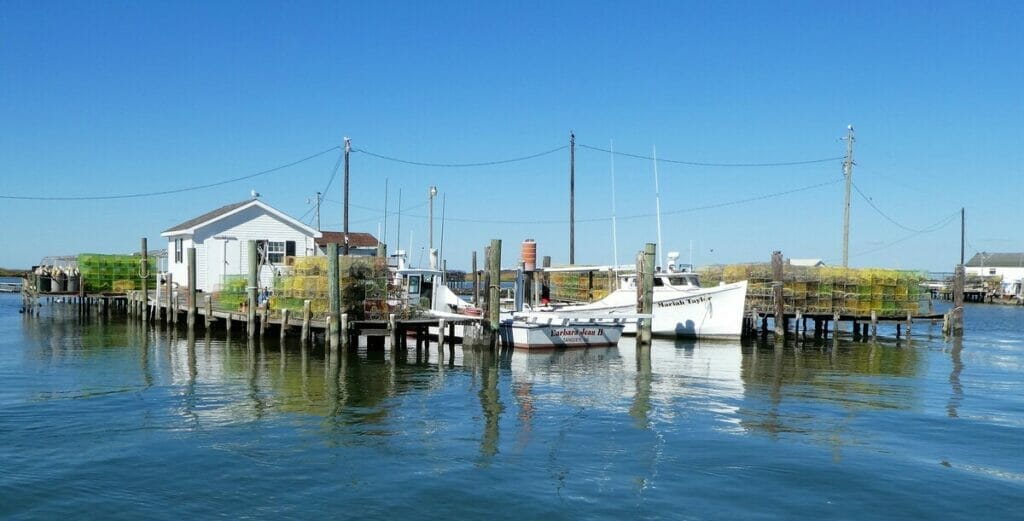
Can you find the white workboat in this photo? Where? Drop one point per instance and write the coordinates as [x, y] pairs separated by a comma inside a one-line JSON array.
[[550, 331], [682, 308]]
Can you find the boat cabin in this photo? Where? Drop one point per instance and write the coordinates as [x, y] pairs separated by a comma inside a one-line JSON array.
[[669, 280], [417, 284]]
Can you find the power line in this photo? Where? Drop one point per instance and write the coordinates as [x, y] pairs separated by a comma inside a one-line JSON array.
[[392, 212], [933, 228], [646, 215], [460, 165], [334, 172], [700, 163], [880, 212], [164, 192]]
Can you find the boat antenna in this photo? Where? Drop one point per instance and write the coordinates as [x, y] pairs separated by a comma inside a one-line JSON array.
[[615, 230], [440, 253], [385, 238], [657, 205], [398, 232], [410, 250]]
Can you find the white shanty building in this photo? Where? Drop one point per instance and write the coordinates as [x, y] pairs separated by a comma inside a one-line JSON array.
[[1009, 266], [221, 237]]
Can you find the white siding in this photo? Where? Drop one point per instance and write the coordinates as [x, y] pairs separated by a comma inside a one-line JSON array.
[[1008, 274], [179, 270], [250, 224]]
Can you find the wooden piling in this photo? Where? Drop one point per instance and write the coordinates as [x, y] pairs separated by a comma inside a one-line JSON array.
[[485, 305], [777, 294], [170, 293], [264, 318], [345, 333], [332, 328], [476, 282], [874, 324], [144, 275], [393, 331], [191, 288], [957, 325], [333, 294], [306, 316], [494, 269], [440, 340], [647, 294], [284, 324], [910, 322], [251, 288], [208, 304]]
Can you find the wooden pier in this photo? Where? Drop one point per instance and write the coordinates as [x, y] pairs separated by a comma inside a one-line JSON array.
[[193, 309], [793, 322]]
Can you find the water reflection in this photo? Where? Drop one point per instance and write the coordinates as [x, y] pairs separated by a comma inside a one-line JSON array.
[[956, 389], [813, 391], [748, 388], [484, 365], [642, 398]]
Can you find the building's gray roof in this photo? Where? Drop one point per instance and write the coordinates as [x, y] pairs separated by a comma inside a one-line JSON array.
[[996, 260], [208, 216]]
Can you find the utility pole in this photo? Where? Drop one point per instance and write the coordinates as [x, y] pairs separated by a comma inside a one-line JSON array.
[[348, 149], [848, 173], [961, 235], [318, 211], [430, 227], [572, 198]]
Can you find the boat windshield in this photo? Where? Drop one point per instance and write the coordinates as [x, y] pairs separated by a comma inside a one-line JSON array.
[[684, 281]]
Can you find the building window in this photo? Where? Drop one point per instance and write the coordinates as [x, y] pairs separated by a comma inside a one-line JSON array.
[[991, 271], [289, 248], [275, 252], [177, 251]]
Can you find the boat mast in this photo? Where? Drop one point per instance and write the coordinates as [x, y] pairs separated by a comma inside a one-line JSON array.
[[615, 230], [384, 239], [657, 205]]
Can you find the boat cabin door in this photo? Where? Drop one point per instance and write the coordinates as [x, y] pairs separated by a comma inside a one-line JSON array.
[[413, 289]]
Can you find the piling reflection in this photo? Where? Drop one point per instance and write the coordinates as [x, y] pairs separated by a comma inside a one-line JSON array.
[[641, 406], [850, 376], [484, 365], [956, 388], [362, 395]]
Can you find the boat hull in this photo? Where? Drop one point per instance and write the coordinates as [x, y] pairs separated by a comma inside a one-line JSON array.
[[552, 333], [704, 312]]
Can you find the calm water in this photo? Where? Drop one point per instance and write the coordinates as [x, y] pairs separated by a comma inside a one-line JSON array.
[[102, 419]]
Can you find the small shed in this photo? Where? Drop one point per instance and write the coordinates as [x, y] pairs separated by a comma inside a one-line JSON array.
[[809, 263], [220, 238]]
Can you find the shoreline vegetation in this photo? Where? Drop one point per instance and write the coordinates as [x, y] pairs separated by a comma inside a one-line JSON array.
[[6, 272]]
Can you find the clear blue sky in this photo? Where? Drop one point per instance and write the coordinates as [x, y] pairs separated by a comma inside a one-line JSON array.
[[108, 98]]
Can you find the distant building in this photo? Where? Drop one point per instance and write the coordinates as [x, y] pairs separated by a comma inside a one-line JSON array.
[[1009, 266], [810, 263], [359, 243], [220, 238]]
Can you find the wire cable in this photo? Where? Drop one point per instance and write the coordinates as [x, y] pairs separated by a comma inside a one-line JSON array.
[[460, 165], [164, 192], [647, 215], [933, 228], [879, 210], [700, 163]]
